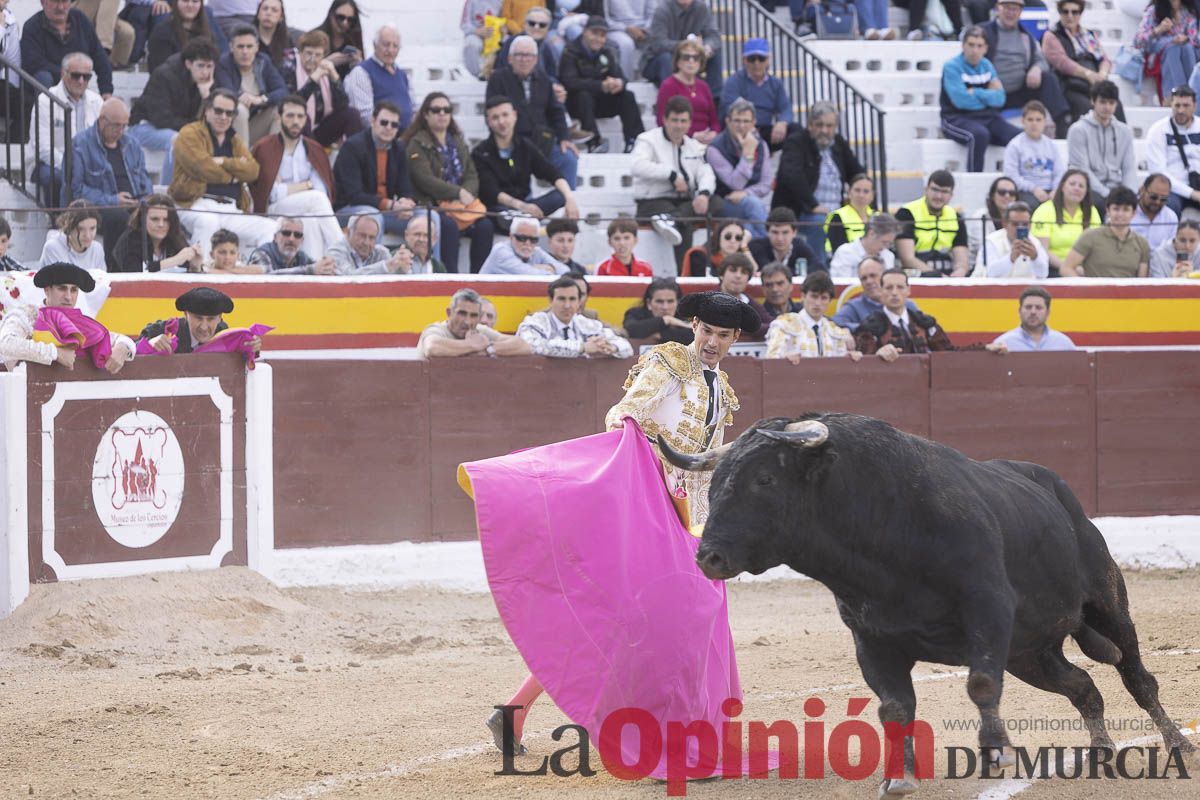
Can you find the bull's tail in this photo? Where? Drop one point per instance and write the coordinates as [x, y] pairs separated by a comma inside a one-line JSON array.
[[1096, 646]]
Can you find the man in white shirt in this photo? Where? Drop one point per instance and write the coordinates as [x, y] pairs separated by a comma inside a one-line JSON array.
[[672, 179], [876, 242], [295, 178], [1173, 148], [808, 333], [1152, 220], [1011, 252], [562, 332], [73, 90], [1033, 335], [520, 255]]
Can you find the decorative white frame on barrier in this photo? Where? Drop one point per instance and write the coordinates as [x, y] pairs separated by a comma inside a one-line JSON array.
[[113, 390]]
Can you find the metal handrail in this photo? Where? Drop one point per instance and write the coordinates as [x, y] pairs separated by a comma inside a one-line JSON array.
[[21, 177], [808, 79]]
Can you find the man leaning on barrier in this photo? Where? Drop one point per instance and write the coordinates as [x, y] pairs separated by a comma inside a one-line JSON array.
[[463, 334], [24, 336], [203, 318]]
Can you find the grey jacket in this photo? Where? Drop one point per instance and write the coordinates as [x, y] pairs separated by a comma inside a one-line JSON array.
[[672, 23], [1162, 260], [1105, 154], [347, 262], [622, 14]]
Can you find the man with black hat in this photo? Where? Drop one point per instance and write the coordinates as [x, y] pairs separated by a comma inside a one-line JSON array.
[[62, 283], [202, 309], [677, 390]]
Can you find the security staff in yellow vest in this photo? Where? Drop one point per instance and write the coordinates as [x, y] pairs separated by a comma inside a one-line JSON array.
[[933, 237]]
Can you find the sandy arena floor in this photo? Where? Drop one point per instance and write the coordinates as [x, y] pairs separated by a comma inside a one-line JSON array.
[[220, 685]]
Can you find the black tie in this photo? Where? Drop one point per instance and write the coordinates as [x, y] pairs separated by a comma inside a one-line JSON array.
[[820, 344], [909, 344], [709, 378], [564, 333]]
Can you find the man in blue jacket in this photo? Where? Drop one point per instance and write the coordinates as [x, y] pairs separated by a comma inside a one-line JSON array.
[[244, 62], [110, 170], [772, 106], [971, 99]]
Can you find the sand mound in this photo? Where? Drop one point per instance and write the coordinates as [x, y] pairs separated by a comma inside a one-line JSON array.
[[148, 611]]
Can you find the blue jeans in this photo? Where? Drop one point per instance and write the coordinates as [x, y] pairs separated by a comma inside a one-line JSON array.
[[567, 164], [49, 185], [812, 228], [977, 130], [872, 14], [143, 20], [751, 209], [1178, 63], [152, 138]]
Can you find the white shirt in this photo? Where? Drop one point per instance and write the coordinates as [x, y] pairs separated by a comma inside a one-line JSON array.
[[294, 168], [845, 261], [1162, 155], [901, 320], [997, 248]]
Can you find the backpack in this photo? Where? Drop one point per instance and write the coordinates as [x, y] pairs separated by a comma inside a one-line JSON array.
[[836, 19]]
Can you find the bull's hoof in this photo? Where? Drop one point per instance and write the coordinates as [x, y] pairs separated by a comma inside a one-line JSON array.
[[1000, 757], [897, 787]]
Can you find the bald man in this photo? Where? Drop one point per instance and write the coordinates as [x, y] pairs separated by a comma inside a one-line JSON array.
[[110, 171], [380, 78]]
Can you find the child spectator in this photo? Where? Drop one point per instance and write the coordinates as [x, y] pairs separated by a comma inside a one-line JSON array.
[[1031, 159], [224, 257], [7, 262], [622, 238], [560, 240]]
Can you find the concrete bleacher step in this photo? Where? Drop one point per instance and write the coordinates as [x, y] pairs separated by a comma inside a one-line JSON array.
[[946, 154], [904, 124]]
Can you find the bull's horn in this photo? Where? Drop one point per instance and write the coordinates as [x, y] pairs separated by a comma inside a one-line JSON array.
[[700, 462], [808, 433]]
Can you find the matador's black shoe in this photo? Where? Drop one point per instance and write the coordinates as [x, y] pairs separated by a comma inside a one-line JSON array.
[[495, 724]]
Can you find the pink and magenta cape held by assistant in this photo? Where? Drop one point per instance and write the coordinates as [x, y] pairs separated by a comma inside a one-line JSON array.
[[595, 579]]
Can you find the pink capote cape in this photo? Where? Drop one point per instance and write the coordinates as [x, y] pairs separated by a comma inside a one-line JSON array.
[[70, 327], [595, 579], [230, 340]]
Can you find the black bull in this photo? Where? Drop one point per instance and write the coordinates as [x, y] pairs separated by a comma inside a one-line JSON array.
[[932, 556]]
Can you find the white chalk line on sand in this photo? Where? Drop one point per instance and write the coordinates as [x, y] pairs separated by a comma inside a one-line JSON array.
[[333, 783], [1014, 786]]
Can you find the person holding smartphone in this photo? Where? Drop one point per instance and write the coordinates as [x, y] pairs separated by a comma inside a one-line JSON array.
[[1011, 252], [1179, 256]]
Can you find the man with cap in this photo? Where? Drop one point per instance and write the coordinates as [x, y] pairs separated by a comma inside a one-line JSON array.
[[62, 283], [679, 391], [772, 106], [591, 72], [202, 309]]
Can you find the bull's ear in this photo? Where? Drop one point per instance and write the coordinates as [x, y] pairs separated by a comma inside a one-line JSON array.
[[808, 433]]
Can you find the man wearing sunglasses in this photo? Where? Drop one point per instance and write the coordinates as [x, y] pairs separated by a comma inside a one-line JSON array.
[[76, 71], [212, 167], [772, 106], [1152, 219], [283, 254], [520, 255]]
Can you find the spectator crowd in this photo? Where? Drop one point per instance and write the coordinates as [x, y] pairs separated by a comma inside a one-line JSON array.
[[305, 153]]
